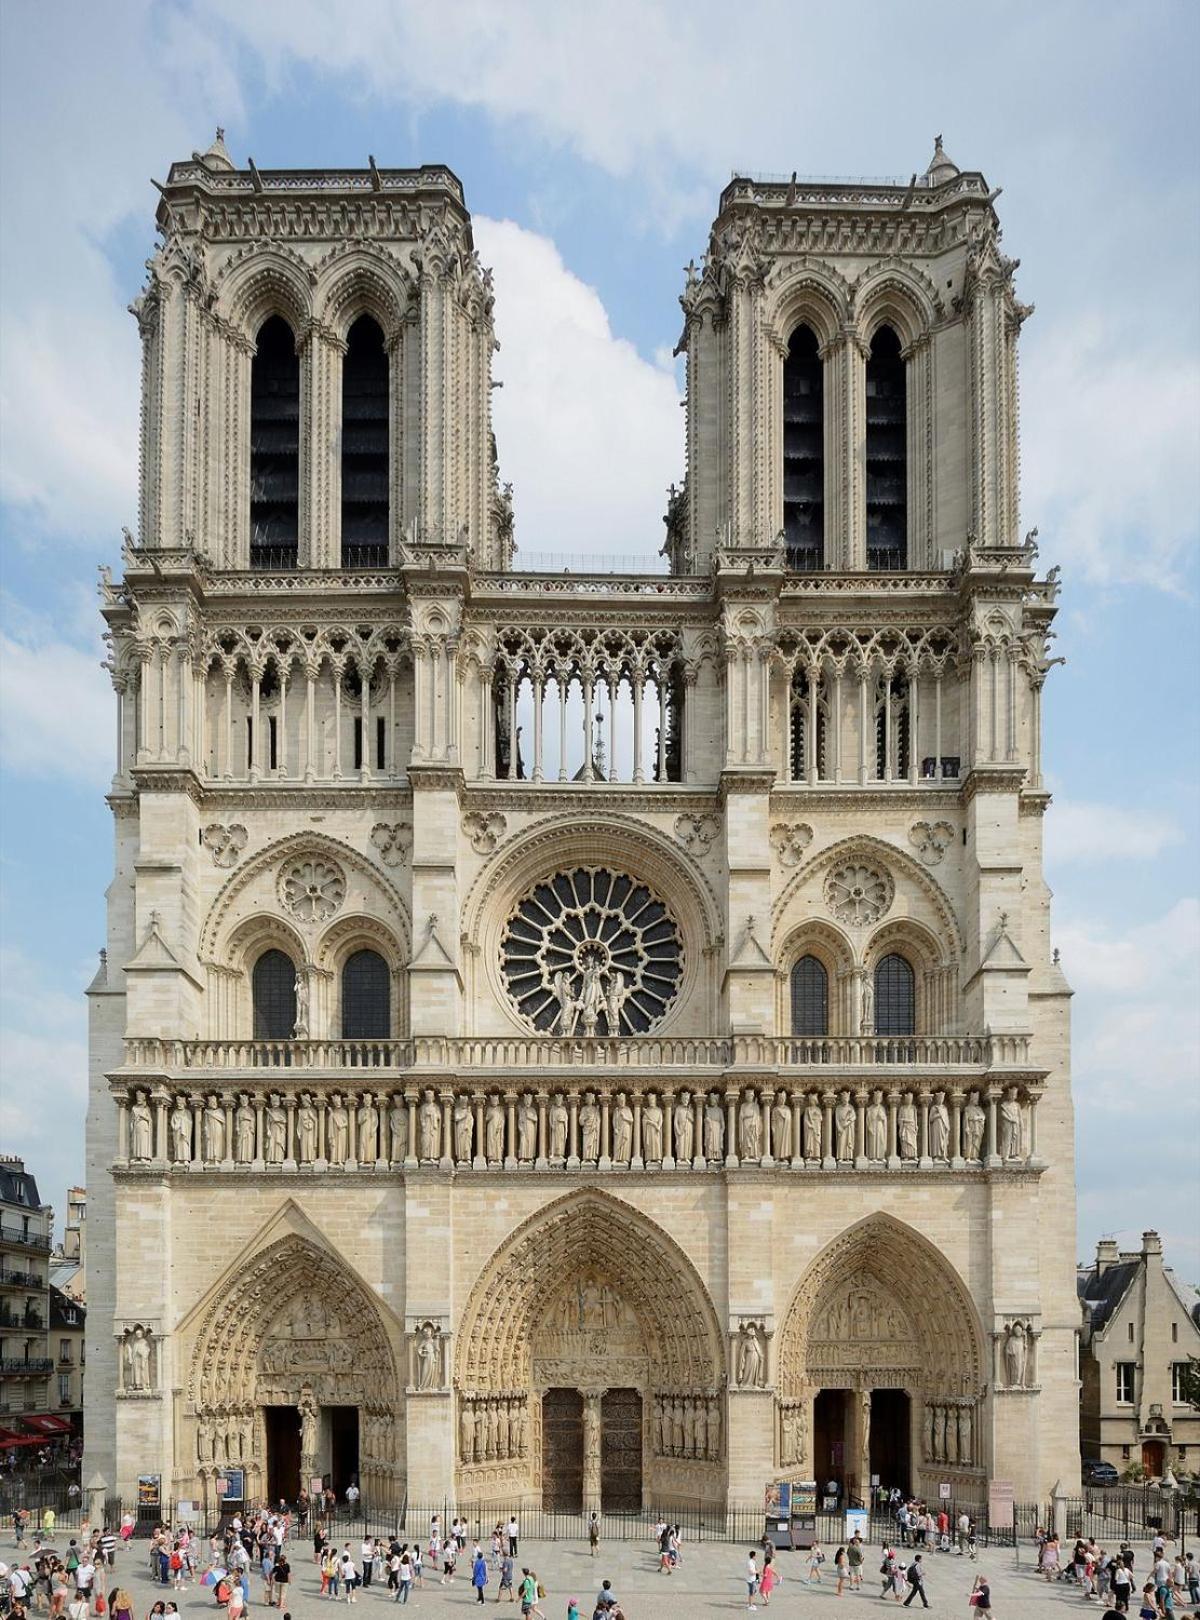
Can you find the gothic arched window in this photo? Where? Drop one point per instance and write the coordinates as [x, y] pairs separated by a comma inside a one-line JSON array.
[[895, 997], [365, 460], [366, 997], [810, 997], [274, 448], [887, 454], [274, 987], [804, 452]]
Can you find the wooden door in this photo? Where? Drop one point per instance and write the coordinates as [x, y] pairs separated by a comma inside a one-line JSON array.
[[562, 1451], [621, 1451], [1152, 1458]]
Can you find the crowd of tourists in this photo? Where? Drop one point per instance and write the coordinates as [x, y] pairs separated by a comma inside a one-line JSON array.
[[1111, 1577]]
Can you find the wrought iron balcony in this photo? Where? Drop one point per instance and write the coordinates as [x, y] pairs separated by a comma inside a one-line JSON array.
[[21, 1365], [27, 1240]]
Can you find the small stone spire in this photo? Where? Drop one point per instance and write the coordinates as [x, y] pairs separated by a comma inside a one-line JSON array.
[[217, 156], [941, 166]]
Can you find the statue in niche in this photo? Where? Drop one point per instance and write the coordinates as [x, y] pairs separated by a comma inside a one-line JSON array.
[[337, 1143], [464, 1128], [939, 1127], [137, 1360], [466, 1431], [750, 1128], [589, 1129], [814, 1128], [664, 1434], [951, 1434], [309, 1411], [398, 1129], [568, 1010], [906, 1128], [181, 1132], [212, 1129], [714, 1429], [243, 1130], [558, 1124], [1016, 1354], [781, 1127], [974, 1124], [700, 1445], [866, 1021], [751, 1356], [652, 1130], [615, 997], [685, 1128], [875, 1135], [844, 1118], [428, 1356], [526, 1129], [714, 1130], [429, 1117], [493, 1130], [677, 1427], [591, 995], [965, 1438], [1012, 1131], [141, 1128], [929, 1457], [480, 1431], [274, 1131], [367, 1123], [306, 1130], [300, 1029], [622, 1129]]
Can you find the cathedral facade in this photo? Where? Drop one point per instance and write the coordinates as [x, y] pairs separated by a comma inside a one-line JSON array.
[[566, 1038]]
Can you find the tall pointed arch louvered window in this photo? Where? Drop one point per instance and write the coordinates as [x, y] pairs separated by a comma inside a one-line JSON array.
[[366, 997], [895, 997], [274, 448], [887, 454], [804, 453], [810, 997], [273, 984], [366, 469]]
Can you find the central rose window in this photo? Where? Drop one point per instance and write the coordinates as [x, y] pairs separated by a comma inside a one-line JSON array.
[[592, 952]]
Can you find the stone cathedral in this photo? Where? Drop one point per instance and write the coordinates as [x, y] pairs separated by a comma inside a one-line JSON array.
[[588, 1039]]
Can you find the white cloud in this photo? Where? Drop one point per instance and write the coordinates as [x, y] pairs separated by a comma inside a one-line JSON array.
[[588, 431], [1081, 833], [57, 718]]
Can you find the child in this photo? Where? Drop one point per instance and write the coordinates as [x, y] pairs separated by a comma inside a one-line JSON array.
[[572, 1609], [815, 1559]]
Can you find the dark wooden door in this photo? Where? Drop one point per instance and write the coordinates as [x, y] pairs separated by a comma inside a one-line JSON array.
[[283, 1454], [562, 1451], [621, 1451]]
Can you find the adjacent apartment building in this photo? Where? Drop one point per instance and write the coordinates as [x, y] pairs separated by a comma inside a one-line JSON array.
[[1141, 1325]]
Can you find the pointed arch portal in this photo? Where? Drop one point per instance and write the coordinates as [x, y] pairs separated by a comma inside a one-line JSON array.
[[590, 1365]]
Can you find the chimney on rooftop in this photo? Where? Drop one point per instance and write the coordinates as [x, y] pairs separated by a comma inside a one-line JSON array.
[[1107, 1254]]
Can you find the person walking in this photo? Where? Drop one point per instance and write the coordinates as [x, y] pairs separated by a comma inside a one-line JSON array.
[[916, 1582], [283, 1574], [815, 1559], [479, 1576], [768, 1580], [981, 1598], [404, 1578], [506, 1578], [594, 1534], [751, 1579]]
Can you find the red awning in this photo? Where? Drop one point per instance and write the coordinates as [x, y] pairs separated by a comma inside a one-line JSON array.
[[9, 1442], [51, 1423]]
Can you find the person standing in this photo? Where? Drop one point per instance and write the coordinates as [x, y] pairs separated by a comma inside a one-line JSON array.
[[479, 1575], [841, 1568], [511, 1532], [283, 1574], [751, 1579], [916, 1583], [368, 1560], [594, 1534]]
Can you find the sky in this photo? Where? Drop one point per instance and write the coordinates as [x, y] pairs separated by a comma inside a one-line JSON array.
[[593, 140]]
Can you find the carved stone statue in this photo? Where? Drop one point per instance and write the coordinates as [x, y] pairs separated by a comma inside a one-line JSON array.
[[493, 1130], [844, 1117], [589, 1129], [337, 1128], [866, 1020], [557, 1125], [243, 1130], [929, 1457], [429, 1117], [751, 1357], [591, 996], [275, 1131], [309, 1412], [141, 1129], [714, 1130], [714, 1429], [212, 1129], [367, 1121], [568, 1008], [781, 1127], [615, 997], [1016, 1354], [137, 1360], [652, 1130], [749, 1128], [181, 1132], [1012, 1130], [951, 1434], [466, 1431], [701, 1429], [300, 1030], [814, 1126], [464, 1128], [398, 1129], [306, 1130], [622, 1129], [428, 1356], [685, 1128], [526, 1129], [875, 1136], [939, 1127], [906, 1128], [965, 1437], [973, 1126]]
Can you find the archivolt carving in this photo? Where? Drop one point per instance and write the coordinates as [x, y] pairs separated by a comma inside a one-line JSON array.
[[589, 1234], [362, 279], [809, 295], [272, 280], [881, 1295], [887, 293]]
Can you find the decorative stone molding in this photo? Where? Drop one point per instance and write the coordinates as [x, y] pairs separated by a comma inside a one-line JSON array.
[[696, 832], [393, 840], [858, 893], [789, 840], [931, 840], [225, 843], [312, 888], [484, 829]]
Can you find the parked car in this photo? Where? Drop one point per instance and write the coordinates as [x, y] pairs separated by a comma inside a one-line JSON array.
[[1096, 1472]]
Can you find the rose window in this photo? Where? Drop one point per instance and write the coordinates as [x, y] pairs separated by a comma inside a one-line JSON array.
[[858, 894], [592, 952], [312, 888]]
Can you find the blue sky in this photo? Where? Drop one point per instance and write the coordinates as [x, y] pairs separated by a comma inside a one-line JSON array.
[[593, 141]]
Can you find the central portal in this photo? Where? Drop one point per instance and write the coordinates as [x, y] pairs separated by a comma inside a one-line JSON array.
[[621, 1451]]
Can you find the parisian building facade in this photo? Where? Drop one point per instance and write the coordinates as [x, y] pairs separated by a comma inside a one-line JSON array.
[[582, 1039]]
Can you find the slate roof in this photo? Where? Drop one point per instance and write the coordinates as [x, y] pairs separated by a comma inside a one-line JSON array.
[[18, 1187], [1102, 1294]]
